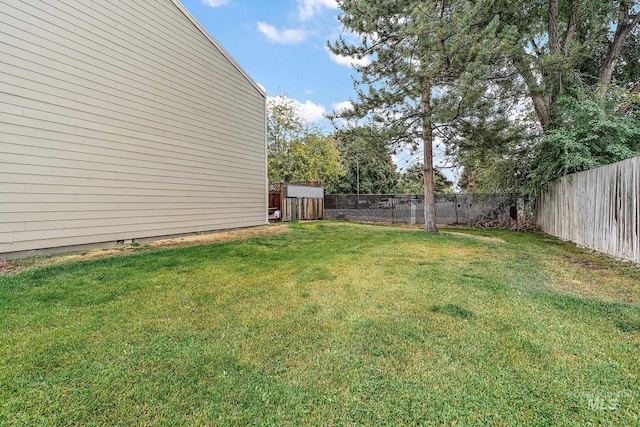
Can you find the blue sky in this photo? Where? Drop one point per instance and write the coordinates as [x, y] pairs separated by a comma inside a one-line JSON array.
[[282, 44]]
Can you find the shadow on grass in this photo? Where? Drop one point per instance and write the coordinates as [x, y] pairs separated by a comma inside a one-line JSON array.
[[453, 310], [624, 316], [629, 326]]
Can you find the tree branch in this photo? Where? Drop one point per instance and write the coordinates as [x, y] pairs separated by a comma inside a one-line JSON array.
[[627, 23], [535, 92], [571, 27], [536, 49], [554, 36]]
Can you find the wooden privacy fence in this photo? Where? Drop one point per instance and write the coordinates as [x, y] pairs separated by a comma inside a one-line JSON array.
[[296, 201], [294, 209], [598, 209]]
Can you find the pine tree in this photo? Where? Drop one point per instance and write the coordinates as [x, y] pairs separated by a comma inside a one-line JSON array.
[[422, 54]]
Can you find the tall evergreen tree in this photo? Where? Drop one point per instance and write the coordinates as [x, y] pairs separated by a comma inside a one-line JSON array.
[[419, 50]]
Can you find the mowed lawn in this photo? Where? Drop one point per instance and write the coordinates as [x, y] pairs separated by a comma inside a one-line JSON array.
[[327, 324]]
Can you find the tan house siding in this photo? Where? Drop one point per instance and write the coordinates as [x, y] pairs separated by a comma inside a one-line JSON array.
[[122, 120]]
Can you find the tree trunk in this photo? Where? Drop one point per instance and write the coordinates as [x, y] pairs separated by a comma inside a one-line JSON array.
[[427, 136], [535, 92], [625, 25], [572, 26], [554, 35], [542, 111], [610, 62], [555, 77]]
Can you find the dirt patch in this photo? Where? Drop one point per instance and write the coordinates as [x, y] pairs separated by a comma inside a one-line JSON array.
[[220, 236], [584, 264], [505, 224], [10, 267], [473, 236], [608, 289], [594, 278]]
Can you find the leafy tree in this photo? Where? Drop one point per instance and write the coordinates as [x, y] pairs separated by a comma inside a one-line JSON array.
[[591, 135], [494, 146], [412, 181], [577, 63], [296, 151], [494, 172], [564, 44], [285, 127], [366, 161], [317, 158], [457, 69], [419, 50]]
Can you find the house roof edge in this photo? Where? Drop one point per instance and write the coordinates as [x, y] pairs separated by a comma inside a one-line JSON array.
[[226, 54]]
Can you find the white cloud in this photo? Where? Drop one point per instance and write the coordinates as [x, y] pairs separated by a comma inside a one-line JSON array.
[[215, 3], [309, 111], [348, 61], [282, 35], [339, 107], [307, 9]]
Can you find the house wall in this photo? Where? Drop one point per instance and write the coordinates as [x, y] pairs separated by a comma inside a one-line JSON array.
[[122, 120]]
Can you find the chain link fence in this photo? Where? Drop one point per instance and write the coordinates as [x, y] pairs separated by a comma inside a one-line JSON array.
[[451, 209]]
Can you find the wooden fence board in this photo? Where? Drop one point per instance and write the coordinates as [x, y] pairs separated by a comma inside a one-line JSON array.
[[294, 209], [598, 209]]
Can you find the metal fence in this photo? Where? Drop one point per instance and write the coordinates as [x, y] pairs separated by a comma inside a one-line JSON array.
[[451, 209], [599, 209]]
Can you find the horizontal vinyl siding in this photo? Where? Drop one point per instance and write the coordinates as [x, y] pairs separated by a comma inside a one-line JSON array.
[[122, 120]]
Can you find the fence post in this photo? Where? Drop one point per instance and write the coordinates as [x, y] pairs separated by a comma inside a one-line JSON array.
[[393, 210], [414, 206]]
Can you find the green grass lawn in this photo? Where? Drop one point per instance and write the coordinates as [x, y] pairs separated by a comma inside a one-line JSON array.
[[327, 324]]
